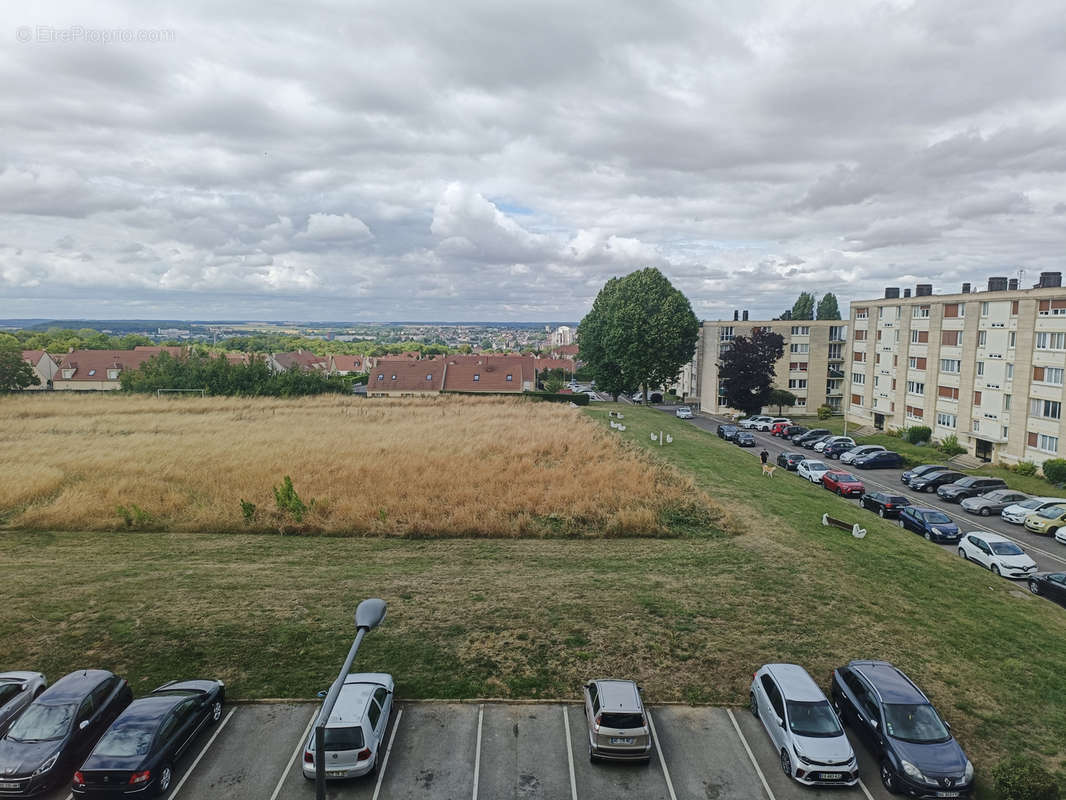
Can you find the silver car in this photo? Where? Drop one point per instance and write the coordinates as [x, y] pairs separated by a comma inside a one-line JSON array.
[[803, 726], [617, 725], [993, 502], [17, 690], [356, 727], [1019, 511], [861, 450]]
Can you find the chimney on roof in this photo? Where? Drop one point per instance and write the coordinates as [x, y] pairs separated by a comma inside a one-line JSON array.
[[745, 315], [736, 315], [1050, 280], [923, 290], [997, 284], [891, 292], [906, 292], [966, 288], [1012, 284]]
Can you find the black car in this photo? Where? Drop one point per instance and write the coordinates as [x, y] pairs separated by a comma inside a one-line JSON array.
[[727, 432], [886, 505], [792, 430], [54, 734], [931, 481], [970, 486], [915, 472], [808, 444], [895, 720], [934, 525], [1051, 585], [137, 754], [837, 448], [816, 433], [789, 460], [882, 459], [744, 439]]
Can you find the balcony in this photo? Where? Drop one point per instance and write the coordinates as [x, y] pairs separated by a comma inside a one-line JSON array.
[[833, 372]]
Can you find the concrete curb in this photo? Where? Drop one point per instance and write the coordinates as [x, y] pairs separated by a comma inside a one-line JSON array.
[[509, 701]]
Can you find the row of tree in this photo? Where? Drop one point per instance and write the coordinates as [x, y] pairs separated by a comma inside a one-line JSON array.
[[804, 307], [217, 376]]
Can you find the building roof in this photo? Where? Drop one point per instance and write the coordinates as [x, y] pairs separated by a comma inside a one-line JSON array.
[[405, 375], [92, 365], [565, 350], [175, 351], [304, 359], [488, 374], [566, 364], [343, 363], [33, 356]]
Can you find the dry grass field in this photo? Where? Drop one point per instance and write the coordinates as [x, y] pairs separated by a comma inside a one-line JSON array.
[[419, 468]]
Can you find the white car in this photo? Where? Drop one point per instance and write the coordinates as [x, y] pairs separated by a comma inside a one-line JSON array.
[[803, 727], [998, 553], [1060, 536], [812, 470], [826, 442], [1017, 513], [684, 412], [768, 424], [863, 450], [752, 422], [355, 730]]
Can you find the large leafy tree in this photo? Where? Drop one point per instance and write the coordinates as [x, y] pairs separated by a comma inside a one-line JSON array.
[[781, 398], [639, 333], [827, 307], [746, 371], [803, 308], [15, 374]]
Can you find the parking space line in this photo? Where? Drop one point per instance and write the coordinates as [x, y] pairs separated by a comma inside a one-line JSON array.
[[210, 741], [477, 753], [385, 763], [292, 758], [865, 791], [659, 750], [570, 755], [751, 755]]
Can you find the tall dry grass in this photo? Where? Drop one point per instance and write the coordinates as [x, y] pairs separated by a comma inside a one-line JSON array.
[[428, 467]]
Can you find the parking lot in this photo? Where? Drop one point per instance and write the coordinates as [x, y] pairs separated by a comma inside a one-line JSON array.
[[494, 751]]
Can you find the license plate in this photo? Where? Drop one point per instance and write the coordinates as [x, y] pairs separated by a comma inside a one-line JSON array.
[[10, 785], [619, 740], [832, 776], [337, 773], [947, 794]]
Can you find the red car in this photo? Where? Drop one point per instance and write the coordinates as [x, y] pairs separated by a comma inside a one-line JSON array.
[[777, 427], [843, 483]]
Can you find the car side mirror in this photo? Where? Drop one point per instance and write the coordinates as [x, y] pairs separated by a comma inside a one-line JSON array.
[[83, 724], [780, 722], [874, 723]]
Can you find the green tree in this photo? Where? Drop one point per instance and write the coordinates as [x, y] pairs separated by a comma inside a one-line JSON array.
[[746, 371], [803, 308], [827, 307], [781, 397], [639, 333], [15, 374], [553, 384]]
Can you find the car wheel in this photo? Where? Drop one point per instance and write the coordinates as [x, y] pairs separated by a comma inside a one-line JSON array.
[[839, 493], [928, 536], [373, 767], [888, 778], [216, 712], [881, 513], [786, 763], [592, 756], [962, 554], [754, 705], [1051, 531], [1034, 587], [995, 570], [900, 522], [166, 776], [985, 512]]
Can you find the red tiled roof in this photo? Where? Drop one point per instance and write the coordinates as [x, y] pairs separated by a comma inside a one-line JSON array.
[[33, 356], [304, 359], [543, 364], [98, 362], [491, 373], [344, 363], [565, 350], [405, 375], [175, 351]]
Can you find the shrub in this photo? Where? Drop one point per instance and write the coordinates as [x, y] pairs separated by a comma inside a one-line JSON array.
[[895, 433], [824, 412], [1022, 778], [1026, 468], [919, 433], [1054, 470], [134, 516], [289, 501], [950, 446], [248, 511]]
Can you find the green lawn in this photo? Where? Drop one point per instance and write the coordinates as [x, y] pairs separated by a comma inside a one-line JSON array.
[[691, 617]]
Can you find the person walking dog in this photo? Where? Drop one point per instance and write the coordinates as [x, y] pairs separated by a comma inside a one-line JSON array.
[[764, 455]]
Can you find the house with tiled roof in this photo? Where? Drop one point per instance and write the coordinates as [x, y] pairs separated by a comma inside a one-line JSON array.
[[303, 360], [493, 374], [402, 377], [96, 370], [44, 367], [174, 351], [346, 365]]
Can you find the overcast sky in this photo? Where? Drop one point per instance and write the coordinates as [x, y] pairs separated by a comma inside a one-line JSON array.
[[501, 160]]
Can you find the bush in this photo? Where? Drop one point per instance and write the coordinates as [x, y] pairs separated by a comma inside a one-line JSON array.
[[895, 433], [134, 516], [1054, 470], [1027, 468], [288, 500], [1022, 778], [919, 433], [950, 446], [824, 412], [248, 511]]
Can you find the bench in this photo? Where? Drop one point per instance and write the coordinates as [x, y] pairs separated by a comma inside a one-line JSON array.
[[856, 531]]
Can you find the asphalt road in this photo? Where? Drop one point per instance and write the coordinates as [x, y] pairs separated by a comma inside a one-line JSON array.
[[1049, 555]]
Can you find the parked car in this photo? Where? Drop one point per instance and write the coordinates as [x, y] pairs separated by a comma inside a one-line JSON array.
[[803, 727], [136, 756], [895, 720], [57, 730], [744, 439], [934, 525], [1051, 585], [750, 422], [1060, 536], [727, 432], [970, 486], [789, 460], [778, 427], [886, 505], [843, 483], [17, 691], [812, 444], [788, 431], [683, 412], [931, 481], [862, 450], [998, 553], [1017, 513], [916, 472], [617, 725], [882, 459], [811, 470], [813, 434], [355, 730], [820, 446], [837, 447], [767, 425], [1047, 520], [992, 502]]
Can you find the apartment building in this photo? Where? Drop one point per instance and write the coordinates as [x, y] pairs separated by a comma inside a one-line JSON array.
[[812, 367], [985, 366]]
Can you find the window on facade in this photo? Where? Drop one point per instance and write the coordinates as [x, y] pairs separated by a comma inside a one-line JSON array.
[[1048, 409], [429, 376], [801, 401], [858, 378], [477, 377], [950, 338], [980, 368], [951, 310], [1006, 402], [950, 365], [798, 366], [984, 309], [920, 312], [508, 377], [947, 392], [394, 377], [725, 334], [798, 347], [381, 377], [982, 338], [1010, 371], [916, 362], [92, 372], [857, 356], [1012, 337], [1049, 444], [915, 412], [1014, 309], [856, 399], [862, 313], [1051, 341], [797, 383], [976, 425], [801, 330], [914, 387], [977, 398], [946, 420], [1053, 375]]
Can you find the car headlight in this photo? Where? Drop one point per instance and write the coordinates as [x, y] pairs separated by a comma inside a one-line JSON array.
[[967, 774], [913, 772], [47, 765], [800, 755], [937, 531]]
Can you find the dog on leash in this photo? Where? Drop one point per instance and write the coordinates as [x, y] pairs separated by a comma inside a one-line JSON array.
[[768, 470]]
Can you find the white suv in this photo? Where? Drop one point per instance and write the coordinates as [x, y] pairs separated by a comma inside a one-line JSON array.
[[768, 424], [356, 727], [753, 422]]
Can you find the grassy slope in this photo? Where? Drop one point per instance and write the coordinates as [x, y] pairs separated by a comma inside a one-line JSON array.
[[690, 617]]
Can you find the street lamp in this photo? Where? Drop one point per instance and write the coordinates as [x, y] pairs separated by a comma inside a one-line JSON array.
[[368, 615]]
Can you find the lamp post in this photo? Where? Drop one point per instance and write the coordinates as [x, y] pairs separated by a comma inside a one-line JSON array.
[[369, 614]]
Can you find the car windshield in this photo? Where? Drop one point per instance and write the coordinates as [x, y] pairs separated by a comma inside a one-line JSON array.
[[812, 719], [845, 477], [1006, 549], [41, 722], [1051, 512], [1030, 503], [936, 517], [966, 482], [915, 722], [816, 465], [126, 738], [621, 721]]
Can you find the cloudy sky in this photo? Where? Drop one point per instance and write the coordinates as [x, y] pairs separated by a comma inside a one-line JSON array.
[[487, 160]]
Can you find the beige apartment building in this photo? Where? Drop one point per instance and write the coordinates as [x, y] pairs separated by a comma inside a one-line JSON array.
[[985, 366], [812, 367]]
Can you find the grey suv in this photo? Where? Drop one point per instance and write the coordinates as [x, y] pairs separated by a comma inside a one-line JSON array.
[[618, 727]]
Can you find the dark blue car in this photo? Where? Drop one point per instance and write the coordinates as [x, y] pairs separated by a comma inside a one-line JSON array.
[[934, 525], [138, 753], [895, 720], [882, 459]]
